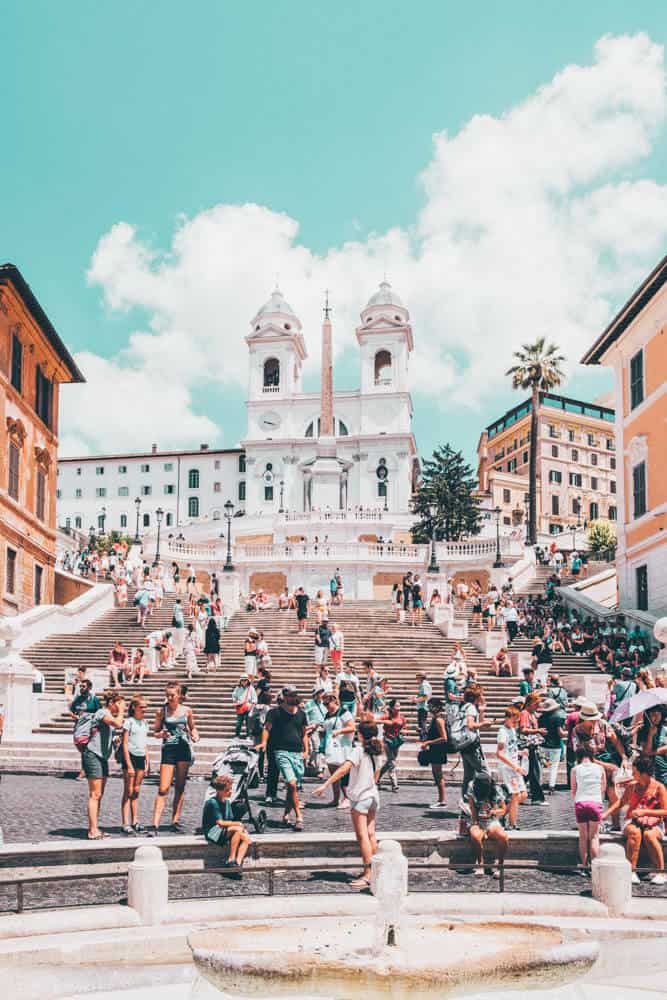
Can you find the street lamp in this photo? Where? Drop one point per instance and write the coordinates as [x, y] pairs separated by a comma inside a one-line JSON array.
[[137, 504], [158, 517], [281, 509], [103, 517], [229, 513], [499, 562], [574, 527], [433, 565], [386, 492], [91, 536]]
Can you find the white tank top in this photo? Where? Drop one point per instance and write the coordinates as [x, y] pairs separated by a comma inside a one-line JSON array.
[[588, 779]]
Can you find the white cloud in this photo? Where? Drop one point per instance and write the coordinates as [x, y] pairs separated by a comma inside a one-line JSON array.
[[537, 221]]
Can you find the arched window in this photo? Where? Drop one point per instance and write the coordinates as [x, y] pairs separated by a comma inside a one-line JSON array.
[[68, 523], [271, 373], [383, 368], [193, 479], [594, 511], [340, 429], [216, 515], [147, 520], [193, 507]]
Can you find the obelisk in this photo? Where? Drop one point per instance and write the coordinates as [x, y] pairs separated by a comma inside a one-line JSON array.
[[326, 404], [326, 491]]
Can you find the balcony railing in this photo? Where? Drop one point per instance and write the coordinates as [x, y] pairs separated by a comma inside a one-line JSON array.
[[365, 514], [270, 388]]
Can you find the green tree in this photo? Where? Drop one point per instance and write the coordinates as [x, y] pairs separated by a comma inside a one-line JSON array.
[[538, 370], [601, 537], [444, 501]]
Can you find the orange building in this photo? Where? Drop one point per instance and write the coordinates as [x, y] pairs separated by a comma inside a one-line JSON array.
[[635, 346], [33, 363], [576, 463]]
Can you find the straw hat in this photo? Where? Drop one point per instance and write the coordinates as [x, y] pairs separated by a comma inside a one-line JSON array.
[[589, 712], [548, 705]]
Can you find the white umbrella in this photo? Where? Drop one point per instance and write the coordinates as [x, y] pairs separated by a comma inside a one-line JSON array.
[[640, 702]]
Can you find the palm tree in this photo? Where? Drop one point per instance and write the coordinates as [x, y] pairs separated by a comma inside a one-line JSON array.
[[537, 369]]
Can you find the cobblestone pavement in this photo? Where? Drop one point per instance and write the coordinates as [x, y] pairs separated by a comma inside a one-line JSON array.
[[38, 808]]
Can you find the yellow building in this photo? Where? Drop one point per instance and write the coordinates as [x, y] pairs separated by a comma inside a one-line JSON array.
[[635, 346], [576, 463]]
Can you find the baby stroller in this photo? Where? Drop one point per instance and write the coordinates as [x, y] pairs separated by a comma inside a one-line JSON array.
[[240, 761]]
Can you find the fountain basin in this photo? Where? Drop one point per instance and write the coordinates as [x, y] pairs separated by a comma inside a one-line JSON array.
[[337, 957]]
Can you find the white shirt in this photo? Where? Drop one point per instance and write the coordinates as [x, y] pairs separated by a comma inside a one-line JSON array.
[[362, 776]]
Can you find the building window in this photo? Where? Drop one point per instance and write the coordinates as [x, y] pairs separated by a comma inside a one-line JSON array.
[[241, 463], [552, 430], [555, 505], [575, 479], [100, 522], [610, 444], [383, 368], [145, 468], [147, 520], [639, 489], [637, 379], [594, 482], [59, 494], [570, 435], [78, 494], [40, 499], [271, 373], [77, 523], [10, 571], [17, 363], [122, 469], [612, 513], [524, 458], [146, 491], [43, 397], [193, 479], [612, 485], [37, 588], [242, 490], [101, 491], [575, 454], [612, 463], [99, 470], [594, 459], [78, 470], [641, 582], [193, 506], [576, 507], [169, 520], [123, 491], [217, 487], [216, 464], [268, 493], [168, 466], [507, 496], [14, 465], [555, 476], [169, 489], [554, 451], [123, 520], [507, 520], [511, 465], [590, 440], [593, 511]]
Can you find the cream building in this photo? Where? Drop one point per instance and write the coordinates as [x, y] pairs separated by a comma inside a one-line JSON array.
[[576, 464], [634, 345]]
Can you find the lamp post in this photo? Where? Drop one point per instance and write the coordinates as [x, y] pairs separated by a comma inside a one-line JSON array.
[[229, 513], [103, 517], [281, 509], [498, 561], [137, 504], [158, 517], [386, 493], [433, 565], [575, 527], [91, 536]]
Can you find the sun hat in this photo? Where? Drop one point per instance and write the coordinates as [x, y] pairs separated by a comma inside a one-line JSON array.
[[519, 700], [589, 712], [290, 689], [548, 705]]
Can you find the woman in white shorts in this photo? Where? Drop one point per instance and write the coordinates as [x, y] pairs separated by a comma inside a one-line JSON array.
[[362, 765]]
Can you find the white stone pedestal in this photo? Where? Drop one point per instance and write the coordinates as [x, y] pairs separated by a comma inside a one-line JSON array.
[[148, 885], [15, 686], [611, 879], [442, 615], [488, 643], [456, 630], [230, 591]]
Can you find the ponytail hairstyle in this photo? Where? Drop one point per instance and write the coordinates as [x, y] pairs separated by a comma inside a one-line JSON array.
[[368, 734]]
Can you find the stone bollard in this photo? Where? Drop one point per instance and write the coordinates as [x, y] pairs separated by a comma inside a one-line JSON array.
[[148, 884], [612, 879], [389, 885]]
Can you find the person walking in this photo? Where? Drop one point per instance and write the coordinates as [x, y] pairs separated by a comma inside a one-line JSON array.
[[302, 602], [362, 766], [250, 652], [417, 599], [244, 698], [178, 627], [588, 783], [434, 749], [552, 720], [95, 759], [133, 753], [190, 650], [421, 700], [175, 726], [338, 726], [212, 645], [336, 645], [287, 725], [322, 643], [393, 728], [532, 737]]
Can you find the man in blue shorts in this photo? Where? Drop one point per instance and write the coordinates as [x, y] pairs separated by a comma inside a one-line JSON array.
[[287, 725]]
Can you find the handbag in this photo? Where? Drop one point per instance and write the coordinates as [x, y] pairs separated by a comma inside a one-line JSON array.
[[424, 757]]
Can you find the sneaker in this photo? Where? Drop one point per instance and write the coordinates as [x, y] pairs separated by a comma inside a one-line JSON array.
[[438, 805], [478, 871], [127, 830], [658, 879], [635, 878], [138, 828], [540, 802], [268, 801]]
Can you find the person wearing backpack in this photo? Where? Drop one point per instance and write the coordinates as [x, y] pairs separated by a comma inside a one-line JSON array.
[[338, 735], [464, 733], [96, 750]]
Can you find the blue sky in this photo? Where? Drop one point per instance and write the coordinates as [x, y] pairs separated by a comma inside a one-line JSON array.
[[150, 115]]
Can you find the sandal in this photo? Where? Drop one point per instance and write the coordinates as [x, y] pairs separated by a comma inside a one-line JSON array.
[[98, 836], [361, 883]]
